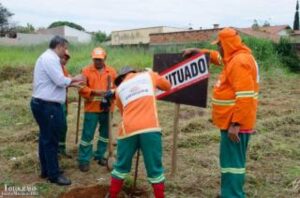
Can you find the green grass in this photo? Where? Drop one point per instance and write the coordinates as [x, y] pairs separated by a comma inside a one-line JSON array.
[[80, 56], [19, 55], [139, 57]]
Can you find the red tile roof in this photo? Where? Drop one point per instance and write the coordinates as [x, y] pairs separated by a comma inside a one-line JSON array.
[[271, 32]]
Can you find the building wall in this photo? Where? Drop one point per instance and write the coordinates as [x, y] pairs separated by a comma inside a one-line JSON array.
[[69, 32], [183, 36], [283, 33], [31, 39], [137, 36], [54, 31], [82, 37], [26, 39], [295, 38]]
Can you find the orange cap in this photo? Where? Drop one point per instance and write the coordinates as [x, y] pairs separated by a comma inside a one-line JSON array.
[[225, 33], [98, 53]]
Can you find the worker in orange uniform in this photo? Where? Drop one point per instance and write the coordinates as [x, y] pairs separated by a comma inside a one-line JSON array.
[[97, 108], [139, 129], [62, 136], [234, 107]]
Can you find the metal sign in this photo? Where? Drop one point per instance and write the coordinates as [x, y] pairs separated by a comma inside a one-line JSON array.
[[189, 78]]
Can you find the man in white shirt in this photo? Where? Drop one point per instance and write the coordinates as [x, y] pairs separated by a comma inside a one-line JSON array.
[[49, 92]]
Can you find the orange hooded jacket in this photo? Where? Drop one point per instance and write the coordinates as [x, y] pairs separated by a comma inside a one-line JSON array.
[[135, 97], [236, 90], [96, 80]]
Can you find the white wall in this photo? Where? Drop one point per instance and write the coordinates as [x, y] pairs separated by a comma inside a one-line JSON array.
[[69, 32], [26, 39], [31, 39], [82, 37], [284, 33]]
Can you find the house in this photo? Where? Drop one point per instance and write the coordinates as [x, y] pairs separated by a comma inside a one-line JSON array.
[[68, 32], [181, 37], [139, 36], [45, 35], [295, 36], [273, 33]]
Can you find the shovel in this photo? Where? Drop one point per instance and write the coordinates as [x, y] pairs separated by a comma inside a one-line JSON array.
[[111, 159]]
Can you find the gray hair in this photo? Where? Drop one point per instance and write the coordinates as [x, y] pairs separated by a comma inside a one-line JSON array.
[[57, 40]]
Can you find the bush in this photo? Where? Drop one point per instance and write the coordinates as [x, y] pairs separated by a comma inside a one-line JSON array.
[[264, 52], [288, 55], [100, 37]]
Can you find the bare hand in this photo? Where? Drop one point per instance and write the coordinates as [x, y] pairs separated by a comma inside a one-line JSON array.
[[78, 84], [233, 133], [79, 77], [190, 51]]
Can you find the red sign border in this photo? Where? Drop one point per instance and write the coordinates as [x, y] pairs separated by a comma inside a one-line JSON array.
[[160, 96], [181, 63]]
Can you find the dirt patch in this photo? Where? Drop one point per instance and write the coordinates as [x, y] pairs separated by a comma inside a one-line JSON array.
[[99, 191], [22, 74]]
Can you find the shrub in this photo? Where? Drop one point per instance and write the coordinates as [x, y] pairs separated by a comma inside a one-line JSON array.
[[288, 55]]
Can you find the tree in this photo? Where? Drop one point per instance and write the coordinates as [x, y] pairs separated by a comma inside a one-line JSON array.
[[67, 23], [100, 36], [24, 29], [266, 24], [4, 16], [296, 19], [255, 25]]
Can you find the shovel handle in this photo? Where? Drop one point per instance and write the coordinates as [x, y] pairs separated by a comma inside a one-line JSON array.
[[78, 118], [136, 169]]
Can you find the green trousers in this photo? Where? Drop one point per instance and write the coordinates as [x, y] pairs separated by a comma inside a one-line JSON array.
[[233, 163], [86, 144], [63, 132], [151, 147]]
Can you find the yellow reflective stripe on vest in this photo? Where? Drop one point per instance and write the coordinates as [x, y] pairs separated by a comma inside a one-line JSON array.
[[233, 170], [102, 139], [84, 143], [219, 59], [223, 102], [246, 94], [97, 98], [119, 174], [256, 95], [158, 179]]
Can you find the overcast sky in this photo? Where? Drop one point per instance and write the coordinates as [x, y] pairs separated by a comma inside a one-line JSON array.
[[109, 15]]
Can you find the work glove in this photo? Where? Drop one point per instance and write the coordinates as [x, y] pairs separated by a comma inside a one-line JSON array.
[[109, 95], [106, 100], [105, 104]]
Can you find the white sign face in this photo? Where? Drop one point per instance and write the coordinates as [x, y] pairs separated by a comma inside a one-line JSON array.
[[185, 74], [135, 88]]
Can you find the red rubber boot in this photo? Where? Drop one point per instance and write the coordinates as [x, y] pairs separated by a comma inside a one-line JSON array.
[[115, 187], [159, 190]]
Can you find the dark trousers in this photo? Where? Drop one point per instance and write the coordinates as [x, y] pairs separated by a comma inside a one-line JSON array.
[[49, 116]]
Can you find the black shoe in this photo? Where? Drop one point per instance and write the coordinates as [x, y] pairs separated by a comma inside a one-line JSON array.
[[61, 181], [84, 167], [45, 175], [102, 162]]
